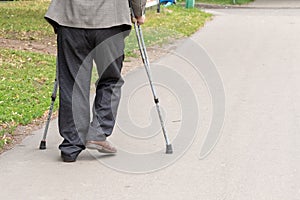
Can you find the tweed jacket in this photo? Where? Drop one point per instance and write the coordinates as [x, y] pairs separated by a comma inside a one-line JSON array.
[[93, 13]]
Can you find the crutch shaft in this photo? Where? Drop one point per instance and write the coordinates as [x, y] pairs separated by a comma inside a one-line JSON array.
[[53, 97], [143, 51]]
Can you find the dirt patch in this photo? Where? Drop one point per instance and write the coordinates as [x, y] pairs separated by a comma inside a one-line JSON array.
[[50, 48], [47, 47]]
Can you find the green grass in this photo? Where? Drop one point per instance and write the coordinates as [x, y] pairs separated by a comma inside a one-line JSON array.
[[26, 79], [25, 87], [24, 20]]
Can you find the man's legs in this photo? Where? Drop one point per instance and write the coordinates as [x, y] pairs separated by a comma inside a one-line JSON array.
[[76, 49], [74, 69], [109, 56]]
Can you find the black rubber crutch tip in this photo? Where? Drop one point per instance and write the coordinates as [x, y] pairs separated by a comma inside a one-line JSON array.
[[43, 145], [169, 149]]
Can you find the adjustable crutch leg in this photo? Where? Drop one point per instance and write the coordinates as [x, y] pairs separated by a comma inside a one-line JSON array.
[[53, 97], [143, 51]]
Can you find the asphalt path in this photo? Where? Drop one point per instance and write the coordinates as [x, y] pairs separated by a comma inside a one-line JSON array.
[[250, 151]]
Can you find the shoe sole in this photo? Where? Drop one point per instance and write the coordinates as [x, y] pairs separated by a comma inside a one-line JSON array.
[[68, 160], [100, 148]]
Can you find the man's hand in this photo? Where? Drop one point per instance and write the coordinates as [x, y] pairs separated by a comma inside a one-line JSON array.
[[141, 20]]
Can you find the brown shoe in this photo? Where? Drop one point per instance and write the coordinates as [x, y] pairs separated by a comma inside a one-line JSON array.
[[101, 146]]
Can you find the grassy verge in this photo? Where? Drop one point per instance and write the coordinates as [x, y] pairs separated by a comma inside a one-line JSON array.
[[26, 79], [23, 20]]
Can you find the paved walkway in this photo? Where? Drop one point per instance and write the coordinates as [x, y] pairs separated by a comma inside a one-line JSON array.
[[276, 3], [256, 53]]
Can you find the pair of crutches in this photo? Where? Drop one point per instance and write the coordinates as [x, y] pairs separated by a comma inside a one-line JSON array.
[[143, 52]]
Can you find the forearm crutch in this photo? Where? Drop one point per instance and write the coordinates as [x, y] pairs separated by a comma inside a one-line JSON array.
[[144, 55]]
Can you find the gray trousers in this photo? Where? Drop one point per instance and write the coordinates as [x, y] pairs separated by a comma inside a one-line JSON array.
[[77, 49]]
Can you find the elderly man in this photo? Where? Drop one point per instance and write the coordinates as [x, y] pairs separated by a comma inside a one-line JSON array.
[[87, 31]]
